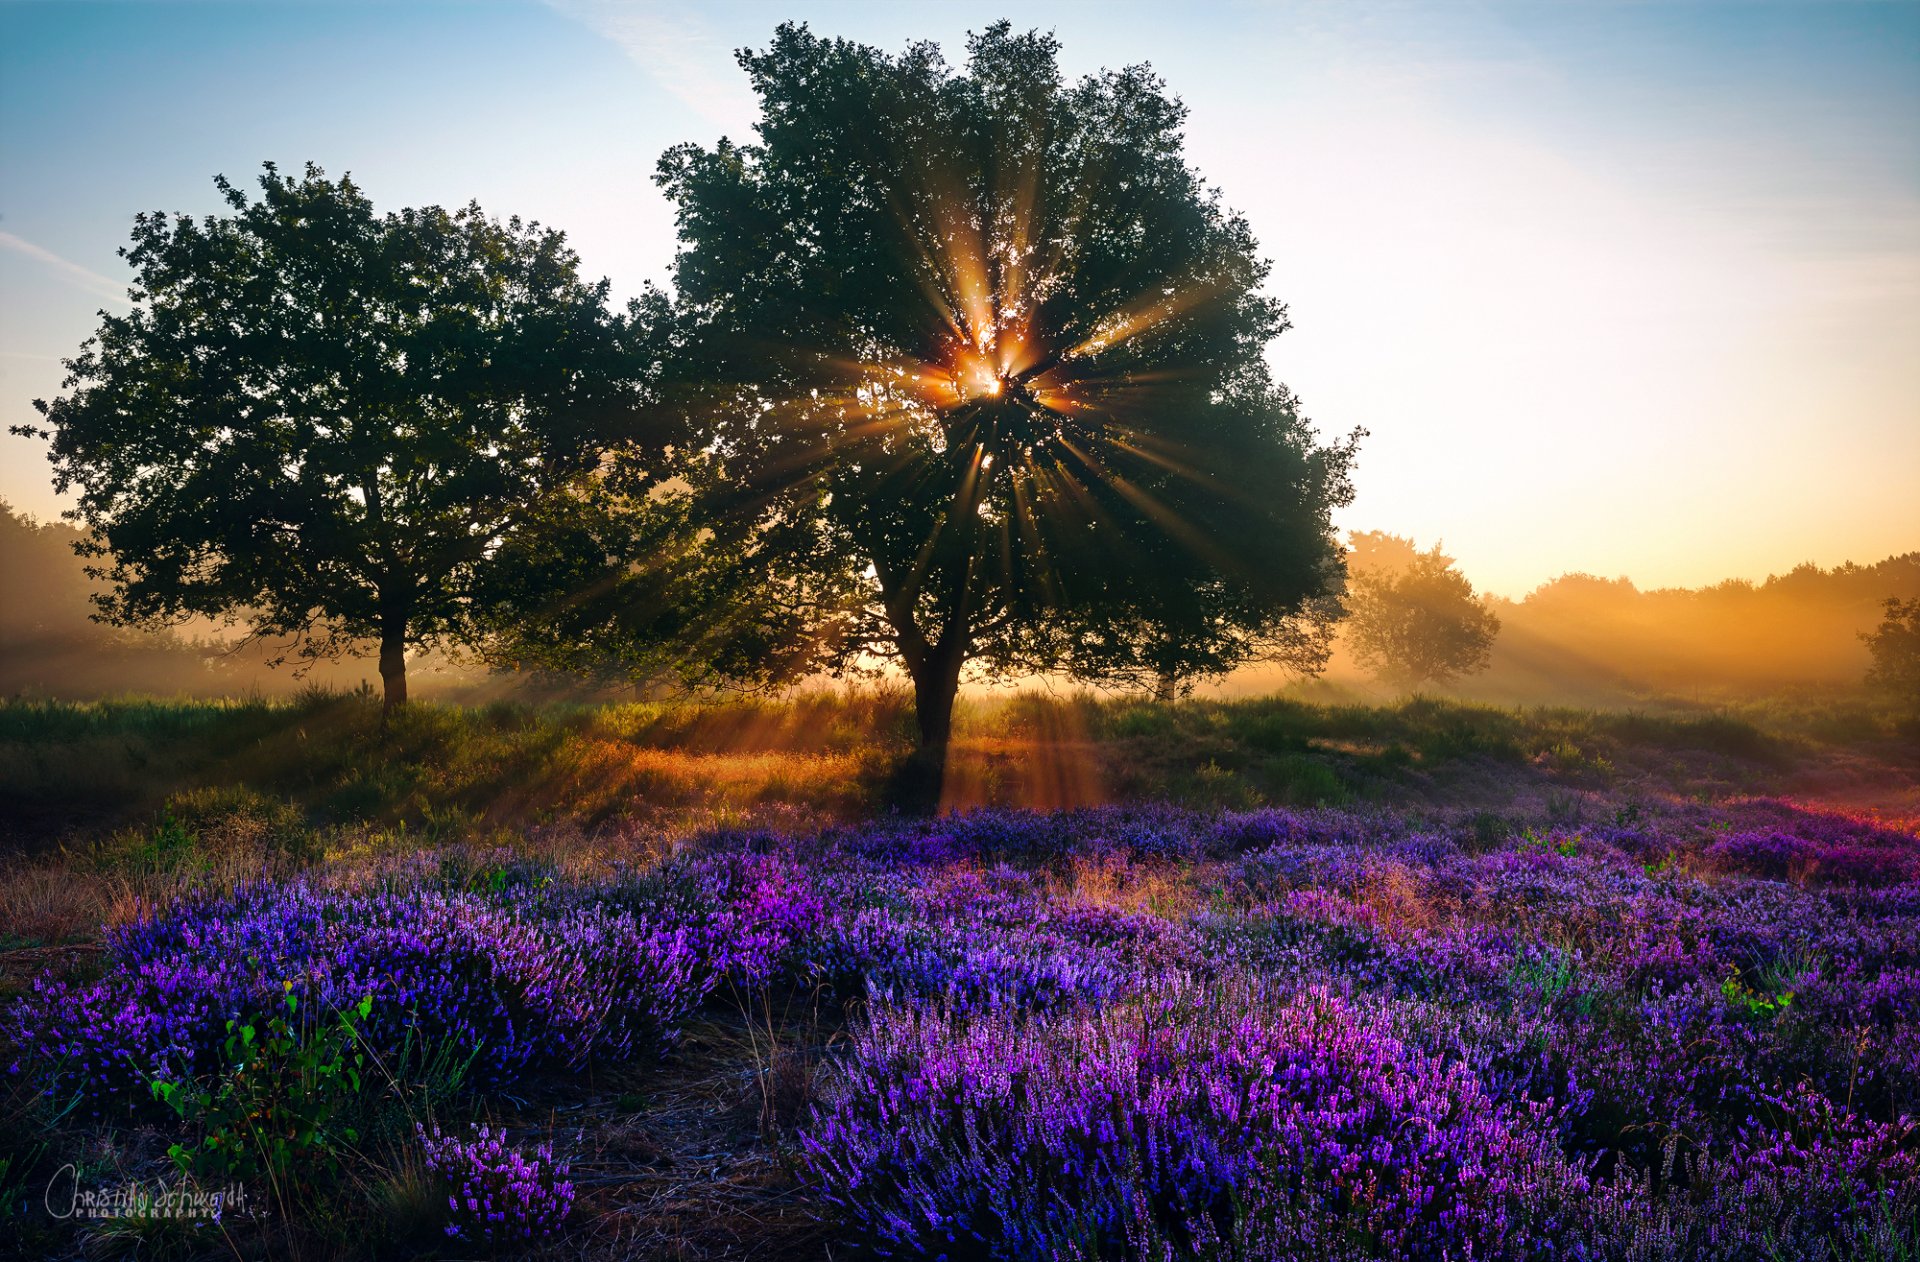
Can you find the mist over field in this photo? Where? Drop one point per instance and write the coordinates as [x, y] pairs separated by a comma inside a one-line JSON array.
[[1577, 639]]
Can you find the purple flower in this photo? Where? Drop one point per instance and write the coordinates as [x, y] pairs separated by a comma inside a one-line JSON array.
[[495, 1193]]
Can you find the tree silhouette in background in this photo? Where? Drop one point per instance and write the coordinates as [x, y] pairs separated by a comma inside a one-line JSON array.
[[1413, 617], [1895, 645], [327, 422], [980, 352]]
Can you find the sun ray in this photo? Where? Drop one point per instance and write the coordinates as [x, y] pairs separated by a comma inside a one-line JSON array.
[[1147, 311]]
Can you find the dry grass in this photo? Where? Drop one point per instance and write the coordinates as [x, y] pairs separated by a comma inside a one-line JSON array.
[[1116, 881], [702, 1171]]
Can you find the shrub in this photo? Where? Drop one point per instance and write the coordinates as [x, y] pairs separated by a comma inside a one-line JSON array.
[[273, 1106], [519, 980], [96, 1046]]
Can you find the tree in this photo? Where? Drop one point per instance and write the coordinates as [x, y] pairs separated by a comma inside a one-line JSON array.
[[988, 355], [1895, 645], [1172, 651], [326, 422], [618, 578], [1413, 617], [47, 645]]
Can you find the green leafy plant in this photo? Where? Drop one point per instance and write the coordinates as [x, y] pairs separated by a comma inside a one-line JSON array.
[[276, 1106], [1758, 1003], [1533, 841]]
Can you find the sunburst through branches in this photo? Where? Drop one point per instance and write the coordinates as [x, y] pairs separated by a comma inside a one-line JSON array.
[[1023, 404], [989, 356]]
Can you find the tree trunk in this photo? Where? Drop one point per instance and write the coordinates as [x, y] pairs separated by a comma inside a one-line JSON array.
[[918, 782], [934, 666], [934, 693], [1166, 689], [393, 663]]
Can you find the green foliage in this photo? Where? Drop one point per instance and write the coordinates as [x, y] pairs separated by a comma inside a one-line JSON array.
[[209, 834], [1550, 975], [426, 1077], [1297, 780], [1757, 1003], [167, 843], [979, 364], [1536, 841], [1720, 733], [1895, 645], [630, 584], [274, 1108], [326, 421], [1490, 829], [1413, 617], [1570, 758]]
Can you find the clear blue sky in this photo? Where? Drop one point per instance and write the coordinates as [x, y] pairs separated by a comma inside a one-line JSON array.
[[1624, 288]]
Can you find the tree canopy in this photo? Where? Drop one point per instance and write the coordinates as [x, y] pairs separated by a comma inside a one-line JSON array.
[[1413, 617], [984, 354], [620, 578], [1895, 646], [327, 422]]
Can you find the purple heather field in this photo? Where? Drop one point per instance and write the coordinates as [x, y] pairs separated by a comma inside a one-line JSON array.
[[1122, 1032]]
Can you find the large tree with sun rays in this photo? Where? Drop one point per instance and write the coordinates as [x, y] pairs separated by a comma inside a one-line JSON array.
[[984, 350]]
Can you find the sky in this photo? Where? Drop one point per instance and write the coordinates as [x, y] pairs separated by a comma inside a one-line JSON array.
[[1615, 288]]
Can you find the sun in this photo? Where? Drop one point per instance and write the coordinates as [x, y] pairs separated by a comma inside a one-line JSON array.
[[976, 375]]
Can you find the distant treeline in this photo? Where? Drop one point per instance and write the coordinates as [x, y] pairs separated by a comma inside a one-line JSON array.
[[1577, 638], [1801, 627], [1583, 640]]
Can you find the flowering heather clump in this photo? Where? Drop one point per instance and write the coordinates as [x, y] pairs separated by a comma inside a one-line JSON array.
[[1843, 1173], [513, 979], [1189, 1118], [494, 1193], [103, 1042], [1838, 859]]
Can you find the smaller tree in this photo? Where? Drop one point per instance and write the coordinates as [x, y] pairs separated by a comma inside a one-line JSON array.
[[329, 423], [1413, 617], [1895, 645]]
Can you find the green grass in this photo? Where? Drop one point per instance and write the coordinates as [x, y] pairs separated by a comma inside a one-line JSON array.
[[290, 779]]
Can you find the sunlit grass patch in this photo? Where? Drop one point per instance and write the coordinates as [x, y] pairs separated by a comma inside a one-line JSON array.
[[277, 782], [598, 778]]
